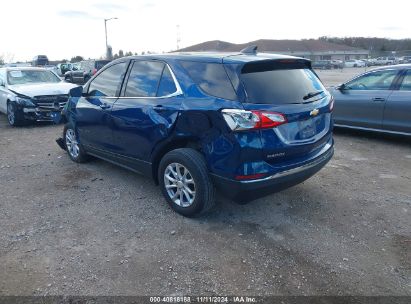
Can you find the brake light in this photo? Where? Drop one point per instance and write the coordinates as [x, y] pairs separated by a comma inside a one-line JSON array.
[[250, 120], [94, 71], [332, 104]]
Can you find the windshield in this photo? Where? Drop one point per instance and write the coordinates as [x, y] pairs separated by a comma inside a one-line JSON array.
[[31, 76], [281, 86]]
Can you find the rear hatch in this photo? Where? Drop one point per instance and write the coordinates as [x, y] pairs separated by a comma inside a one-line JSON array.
[[288, 87]]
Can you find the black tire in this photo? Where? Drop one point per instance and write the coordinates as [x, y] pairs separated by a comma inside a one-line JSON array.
[[194, 162], [80, 156], [14, 116]]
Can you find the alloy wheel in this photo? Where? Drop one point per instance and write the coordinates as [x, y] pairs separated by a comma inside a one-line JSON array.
[[10, 113], [72, 144], [179, 184]]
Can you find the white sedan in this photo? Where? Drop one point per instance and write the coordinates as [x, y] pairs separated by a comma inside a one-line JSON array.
[[32, 94], [353, 63]]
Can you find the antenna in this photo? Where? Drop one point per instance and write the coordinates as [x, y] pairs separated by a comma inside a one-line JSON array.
[[249, 50]]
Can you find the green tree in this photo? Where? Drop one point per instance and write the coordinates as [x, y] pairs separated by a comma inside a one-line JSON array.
[[76, 59]]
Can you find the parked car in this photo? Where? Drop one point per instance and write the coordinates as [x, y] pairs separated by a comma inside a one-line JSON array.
[[322, 65], [62, 68], [379, 100], [52, 68], [40, 60], [337, 64], [406, 59], [353, 63], [249, 124], [31, 94], [370, 61], [86, 69], [386, 61]]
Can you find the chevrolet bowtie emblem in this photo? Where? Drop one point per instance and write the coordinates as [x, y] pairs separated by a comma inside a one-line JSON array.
[[314, 112]]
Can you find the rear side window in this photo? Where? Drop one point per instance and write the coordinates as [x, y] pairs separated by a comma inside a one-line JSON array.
[[406, 82], [108, 82], [167, 85], [144, 79], [271, 84], [211, 78]]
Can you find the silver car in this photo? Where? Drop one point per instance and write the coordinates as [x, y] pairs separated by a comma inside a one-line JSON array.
[[379, 100], [32, 94]]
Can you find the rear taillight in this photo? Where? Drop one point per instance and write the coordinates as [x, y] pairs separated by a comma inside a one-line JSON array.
[[332, 104], [94, 71], [248, 120]]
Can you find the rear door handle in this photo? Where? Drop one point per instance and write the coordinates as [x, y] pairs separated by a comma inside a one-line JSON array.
[[378, 99]]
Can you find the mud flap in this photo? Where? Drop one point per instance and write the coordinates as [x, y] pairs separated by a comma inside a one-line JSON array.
[[61, 143]]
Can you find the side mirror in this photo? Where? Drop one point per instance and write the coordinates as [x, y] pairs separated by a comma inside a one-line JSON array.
[[2, 83], [76, 92], [341, 87]]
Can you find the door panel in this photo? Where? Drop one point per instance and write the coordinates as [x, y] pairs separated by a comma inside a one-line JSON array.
[[397, 113], [139, 124], [93, 119], [361, 101], [147, 111], [360, 108]]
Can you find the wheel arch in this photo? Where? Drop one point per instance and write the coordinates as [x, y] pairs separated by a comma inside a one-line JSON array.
[[183, 142]]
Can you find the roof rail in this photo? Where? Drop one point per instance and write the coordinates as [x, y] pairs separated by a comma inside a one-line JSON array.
[[249, 50]]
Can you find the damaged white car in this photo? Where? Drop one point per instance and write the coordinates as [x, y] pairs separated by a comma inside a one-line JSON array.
[[32, 94]]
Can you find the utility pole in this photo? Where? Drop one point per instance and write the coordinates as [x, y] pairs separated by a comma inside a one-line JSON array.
[[178, 37], [105, 29]]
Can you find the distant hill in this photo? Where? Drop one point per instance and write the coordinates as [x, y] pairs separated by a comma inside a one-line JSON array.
[[267, 45], [373, 44]]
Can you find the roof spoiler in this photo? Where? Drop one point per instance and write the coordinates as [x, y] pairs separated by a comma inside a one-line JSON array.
[[249, 50]]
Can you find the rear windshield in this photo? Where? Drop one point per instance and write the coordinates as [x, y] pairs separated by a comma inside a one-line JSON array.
[[280, 85]]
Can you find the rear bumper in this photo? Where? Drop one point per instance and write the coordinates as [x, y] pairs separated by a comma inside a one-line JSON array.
[[253, 189]]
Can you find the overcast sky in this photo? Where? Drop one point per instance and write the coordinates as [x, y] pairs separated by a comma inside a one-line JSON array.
[[65, 28]]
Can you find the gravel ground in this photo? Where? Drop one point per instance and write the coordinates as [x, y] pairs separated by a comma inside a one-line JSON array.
[[97, 229]]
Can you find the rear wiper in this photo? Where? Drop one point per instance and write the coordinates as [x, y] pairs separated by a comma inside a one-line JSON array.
[[312, 94]]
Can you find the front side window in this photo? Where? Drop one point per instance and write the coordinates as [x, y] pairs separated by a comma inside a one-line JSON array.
[[378, 80], [144, 79], [406, 82], [31, 76], [108, 82]]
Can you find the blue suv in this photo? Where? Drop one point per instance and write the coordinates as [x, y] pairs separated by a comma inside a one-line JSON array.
[[247, 124]]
